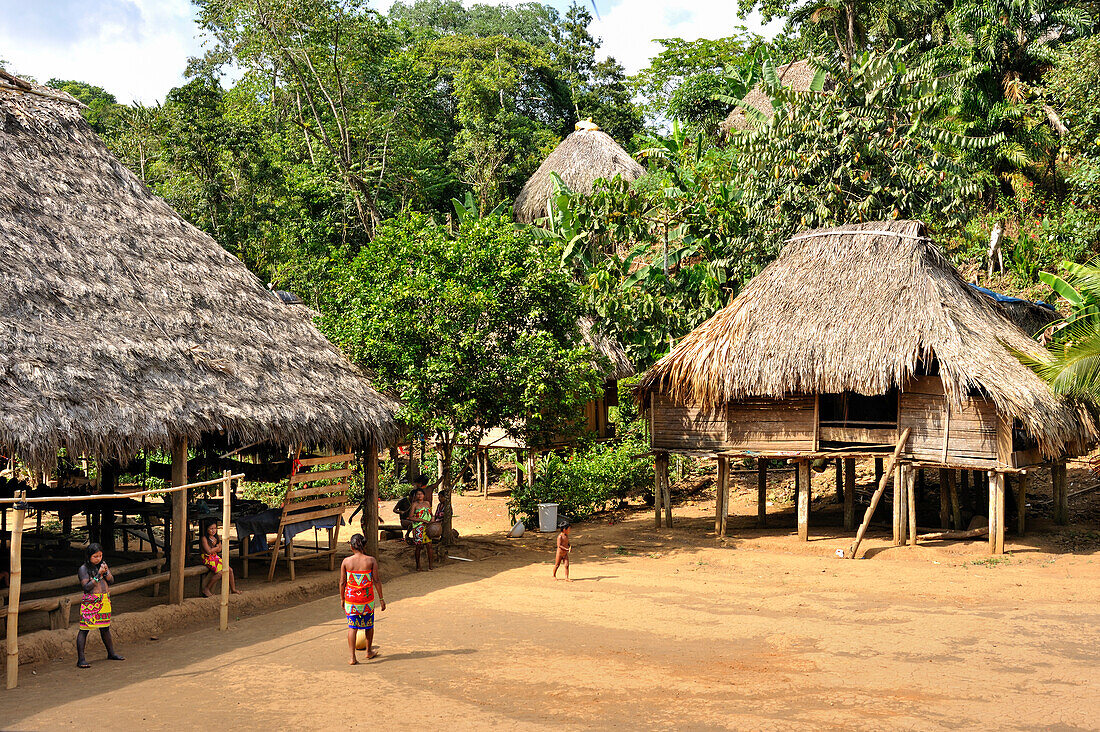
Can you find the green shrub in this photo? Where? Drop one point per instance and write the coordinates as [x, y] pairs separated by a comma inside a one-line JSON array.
[[585, 482]]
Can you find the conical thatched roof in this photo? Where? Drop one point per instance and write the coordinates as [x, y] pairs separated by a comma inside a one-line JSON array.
[[856, 308], [599, 341], [798, 75], [123, 326], [580, 160]]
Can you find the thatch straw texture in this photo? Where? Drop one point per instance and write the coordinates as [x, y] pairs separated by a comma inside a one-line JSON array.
[[122, 326], [580, 160], [855, 308], [798, 75], [603, 344]]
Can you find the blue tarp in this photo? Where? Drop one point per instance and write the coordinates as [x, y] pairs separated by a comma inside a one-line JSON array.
[[1008, 298]]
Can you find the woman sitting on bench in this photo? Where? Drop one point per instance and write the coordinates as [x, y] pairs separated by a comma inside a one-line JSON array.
[[212, 558]]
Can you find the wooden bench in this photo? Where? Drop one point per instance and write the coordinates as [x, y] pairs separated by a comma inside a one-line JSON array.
[[59, 606]]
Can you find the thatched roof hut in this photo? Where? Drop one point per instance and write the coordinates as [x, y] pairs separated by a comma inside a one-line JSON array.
[[859, 308], [123, 327], [798, 75], [1032, 317], [580, 160]]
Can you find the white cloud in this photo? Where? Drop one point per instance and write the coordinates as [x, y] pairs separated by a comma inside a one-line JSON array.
[[135, 49], [629, 27]]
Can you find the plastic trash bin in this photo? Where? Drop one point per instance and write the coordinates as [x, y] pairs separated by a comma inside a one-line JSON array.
[[548, 517]]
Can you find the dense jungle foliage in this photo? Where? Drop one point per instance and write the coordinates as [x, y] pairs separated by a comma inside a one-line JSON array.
[[316, 136]]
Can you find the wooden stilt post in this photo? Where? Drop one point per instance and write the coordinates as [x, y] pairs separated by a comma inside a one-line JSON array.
[[723, 496], [883, 479], [804, 500], [762, 492], [996, 513], [370, 497], [1061, 499], [839, 480], [719, 488], [15, 582], [227, 492], [519, 468], [667, 485], [1021, 505], [956, 507], [945, 499], [659, 460], [849, 494], [899, 504], [179, 522], [911, 505]]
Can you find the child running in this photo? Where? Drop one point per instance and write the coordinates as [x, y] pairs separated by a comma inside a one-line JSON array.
[[358, 582], [212, 558], [561, 555], [95, 607]]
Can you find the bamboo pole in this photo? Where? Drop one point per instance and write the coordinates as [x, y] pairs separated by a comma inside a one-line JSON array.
[[227, 490], [911, 504], [370, 498], [878, 494], [898, 505], [804, 500], [849, 494], [15, 586], [1021, 505], [178, 521], [997, 509]]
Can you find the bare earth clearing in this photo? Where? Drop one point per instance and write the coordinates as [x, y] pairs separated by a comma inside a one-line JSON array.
[[661, 628]]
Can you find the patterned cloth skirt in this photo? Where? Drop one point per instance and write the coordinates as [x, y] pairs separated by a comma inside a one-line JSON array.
[[213, 561], [95, 612]]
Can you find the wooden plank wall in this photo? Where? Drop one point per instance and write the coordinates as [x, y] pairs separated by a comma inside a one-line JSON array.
[[751, 424], [772, 424], [972, 430], [686, 427]]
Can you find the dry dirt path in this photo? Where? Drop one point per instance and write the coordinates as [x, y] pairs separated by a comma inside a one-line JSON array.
[[656, 632]]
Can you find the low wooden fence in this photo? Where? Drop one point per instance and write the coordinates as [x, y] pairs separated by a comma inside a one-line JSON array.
[[177, 572]]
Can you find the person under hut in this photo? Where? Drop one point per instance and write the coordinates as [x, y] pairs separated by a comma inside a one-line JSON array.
[[212, 557], [95, 607], [420, 513]]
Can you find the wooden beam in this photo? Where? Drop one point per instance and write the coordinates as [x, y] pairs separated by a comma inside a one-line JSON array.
[[849, 494], [658, 491], [15, 586], [953, 491], [883, 479], [370, 497], [945, 499], [911, 505], [227, 491], [719, 493], [1021, 505], [1061, 499], [762, 492], [178, 555], [898, 505], [804, 500], [996, 513]]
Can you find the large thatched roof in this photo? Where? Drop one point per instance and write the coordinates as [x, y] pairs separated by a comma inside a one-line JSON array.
[[856, 308], [798, 75], [123, 326], [580, 160], [596, 338]]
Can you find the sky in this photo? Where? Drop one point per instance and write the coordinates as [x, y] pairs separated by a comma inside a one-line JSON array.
[[137, 49]]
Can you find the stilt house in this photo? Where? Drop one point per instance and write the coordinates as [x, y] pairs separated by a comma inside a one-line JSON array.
[[858, 341]]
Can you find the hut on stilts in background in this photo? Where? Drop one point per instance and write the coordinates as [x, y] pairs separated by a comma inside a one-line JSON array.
[[862, 341], [579, 160], [123, 328]]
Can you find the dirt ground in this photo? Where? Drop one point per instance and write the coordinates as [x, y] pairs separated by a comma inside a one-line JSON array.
[[660, 627]]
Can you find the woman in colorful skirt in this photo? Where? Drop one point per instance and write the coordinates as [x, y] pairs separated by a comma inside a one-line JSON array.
[[421, 515], [212, 558], [95, 607], [360, 591]]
